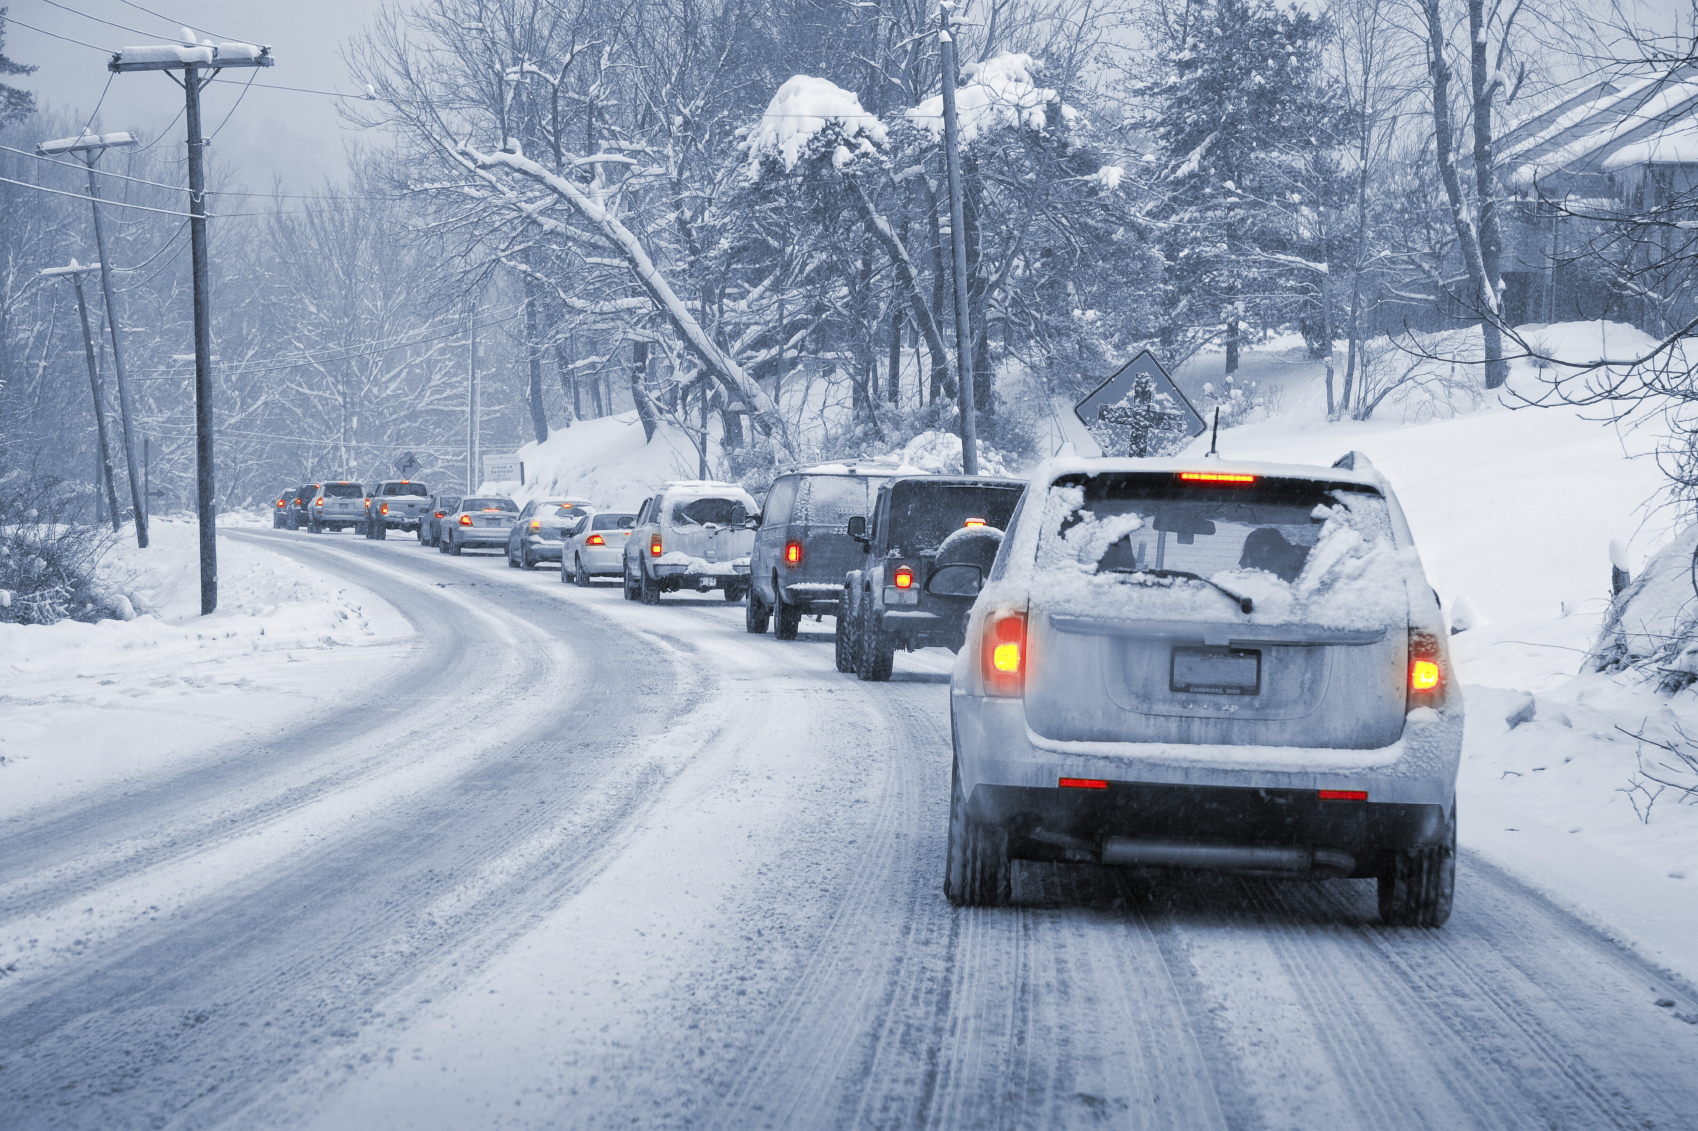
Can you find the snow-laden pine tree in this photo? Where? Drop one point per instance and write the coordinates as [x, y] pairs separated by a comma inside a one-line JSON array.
[[1242, 103]]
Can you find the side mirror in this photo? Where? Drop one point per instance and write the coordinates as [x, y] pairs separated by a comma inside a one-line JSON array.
[[960, 580], [752, 521], [627, 522], [858, 528]]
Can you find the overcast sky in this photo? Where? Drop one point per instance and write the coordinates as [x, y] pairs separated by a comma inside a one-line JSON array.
[[296, 137]]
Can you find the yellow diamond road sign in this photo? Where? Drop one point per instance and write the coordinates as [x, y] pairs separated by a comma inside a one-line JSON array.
[[1114, 390]]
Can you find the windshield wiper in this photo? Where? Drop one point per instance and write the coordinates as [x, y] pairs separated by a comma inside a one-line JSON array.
[[1244, 603]]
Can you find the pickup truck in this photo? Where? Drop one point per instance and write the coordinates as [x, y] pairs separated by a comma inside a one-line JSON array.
[[901, 595], [396, 505]]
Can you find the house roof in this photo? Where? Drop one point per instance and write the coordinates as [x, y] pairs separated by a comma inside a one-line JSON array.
[[1608, 125]]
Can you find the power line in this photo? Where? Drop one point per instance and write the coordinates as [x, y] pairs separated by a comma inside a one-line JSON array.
[[55, 35], [170, 212], [234, 106], [98, 20], [180, 23], [362, 350]]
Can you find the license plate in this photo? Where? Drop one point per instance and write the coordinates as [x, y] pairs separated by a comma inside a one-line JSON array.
[[1216, 671]]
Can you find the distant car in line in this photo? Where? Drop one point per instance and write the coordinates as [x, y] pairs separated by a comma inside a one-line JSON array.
[[695, 534], [1198, 664], [919, 522], [481, 522], [398, 504], [430, 526], [595, 546], [536, 536], [802, 546], [280, 512], [298, 503], [337, 506]]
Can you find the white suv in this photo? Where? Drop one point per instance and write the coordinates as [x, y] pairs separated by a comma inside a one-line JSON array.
[[695, 534], [1194, 664]]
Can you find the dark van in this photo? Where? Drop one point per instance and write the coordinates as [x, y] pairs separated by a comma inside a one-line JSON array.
[[803, 549]]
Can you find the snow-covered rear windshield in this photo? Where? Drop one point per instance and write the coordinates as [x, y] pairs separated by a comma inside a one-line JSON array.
[[489, 505], [391, 490], [344, 491], [703, 509], [832, 500], [448, 503], [923, 514], [610, 521], [1295, 546]]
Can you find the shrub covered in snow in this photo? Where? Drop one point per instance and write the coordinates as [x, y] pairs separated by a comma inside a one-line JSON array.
[[50, 556]]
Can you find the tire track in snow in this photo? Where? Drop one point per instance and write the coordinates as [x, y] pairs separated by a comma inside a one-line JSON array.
[[278, 968]]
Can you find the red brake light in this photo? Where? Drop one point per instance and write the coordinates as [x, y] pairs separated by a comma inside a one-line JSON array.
[[1343, 794], [1082, 783], [384, 508], [654, 546], [792, 553], [318, 502], [1426, 679], [441, 514], [465, 520], [973, 522], [904, 577], [279, 502], [595, 540], [1002, 654], [1223, 478], [1423, 675], [536, 524]]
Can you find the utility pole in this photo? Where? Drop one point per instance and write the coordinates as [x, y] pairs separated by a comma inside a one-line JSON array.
[[200, 64], [472, 406], [91, 146], [103, 465], [958, 240]]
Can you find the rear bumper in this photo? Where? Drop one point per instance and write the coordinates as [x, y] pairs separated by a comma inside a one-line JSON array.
[[544, 549], [813, 596], [1229, 828], [602, 561], [996, 748], [684, 577], [918, 628], [474, 537]]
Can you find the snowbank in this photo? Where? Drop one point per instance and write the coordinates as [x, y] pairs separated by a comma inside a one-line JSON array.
[[605, 461], [89, 702]]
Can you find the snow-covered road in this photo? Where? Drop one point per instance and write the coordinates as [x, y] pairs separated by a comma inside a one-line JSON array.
[[584, 863]]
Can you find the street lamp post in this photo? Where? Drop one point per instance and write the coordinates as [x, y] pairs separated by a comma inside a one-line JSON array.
[[200, 64], [90, 147]]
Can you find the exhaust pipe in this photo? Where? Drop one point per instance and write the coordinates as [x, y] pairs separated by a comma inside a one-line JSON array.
[[1291, 859]]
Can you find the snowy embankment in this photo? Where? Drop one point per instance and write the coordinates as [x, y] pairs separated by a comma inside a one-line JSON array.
[[1514, 513], [87, 705]]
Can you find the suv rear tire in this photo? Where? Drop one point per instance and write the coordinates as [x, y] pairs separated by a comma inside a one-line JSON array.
[[843, 639], [786, 618], [755, 614], [1418, 887], [379, 529], [648, 590], [978, 872], [875, 651]]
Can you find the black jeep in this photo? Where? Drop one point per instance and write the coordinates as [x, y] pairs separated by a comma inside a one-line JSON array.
[[931, 540]]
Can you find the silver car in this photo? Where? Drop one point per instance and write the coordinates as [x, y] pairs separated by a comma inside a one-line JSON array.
[[541, 529], [1193, 664], [482, 522], [595, 546]]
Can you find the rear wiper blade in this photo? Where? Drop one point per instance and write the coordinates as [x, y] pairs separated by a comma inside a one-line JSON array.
[[1244, 603]]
